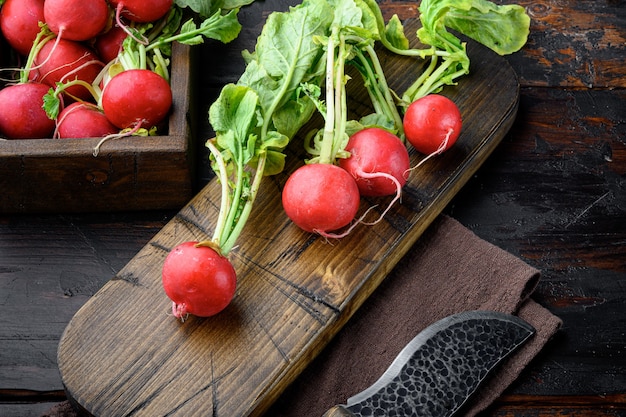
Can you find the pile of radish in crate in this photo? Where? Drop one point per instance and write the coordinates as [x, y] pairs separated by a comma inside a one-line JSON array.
[[98, 68]]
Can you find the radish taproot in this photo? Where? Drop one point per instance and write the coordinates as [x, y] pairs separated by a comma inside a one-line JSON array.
[[137, 97], [21, 112], [321, 198], [432, 124], [76, 20], [19, 22], [198, 280], [378, 161]]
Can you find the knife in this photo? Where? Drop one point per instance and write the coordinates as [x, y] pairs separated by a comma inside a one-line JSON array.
[[439, 370]]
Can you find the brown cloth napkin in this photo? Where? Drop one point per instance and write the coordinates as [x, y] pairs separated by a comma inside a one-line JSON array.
[[447, 271]]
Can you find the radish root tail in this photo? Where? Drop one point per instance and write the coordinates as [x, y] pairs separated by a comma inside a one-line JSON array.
[[347, 231], [180, 311], [135, 129], [118, 20], [442, 147], [393, 201]]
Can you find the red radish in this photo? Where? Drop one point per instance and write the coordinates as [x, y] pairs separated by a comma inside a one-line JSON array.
[[63, 60], [21, 112], [142, 10], [321, 198], [136, 96], [432, 124], [109, 44], [83, 120], [76, 20], [19, 21], [378, 161], [198, 280]]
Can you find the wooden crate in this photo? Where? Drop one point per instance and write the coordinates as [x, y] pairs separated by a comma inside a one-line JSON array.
[[135, 173]]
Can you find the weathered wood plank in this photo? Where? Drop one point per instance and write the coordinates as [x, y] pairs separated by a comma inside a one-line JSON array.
[[574, 44], [49, 267], [556, 180], [557, 406], [571, 43], [554, 195]]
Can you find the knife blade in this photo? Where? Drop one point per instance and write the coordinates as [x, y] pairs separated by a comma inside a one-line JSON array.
[[437, 372]]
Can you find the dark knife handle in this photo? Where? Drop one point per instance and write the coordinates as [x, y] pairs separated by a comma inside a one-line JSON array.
[[338, 411]]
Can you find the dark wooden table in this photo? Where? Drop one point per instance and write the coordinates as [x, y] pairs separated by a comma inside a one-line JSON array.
[[553, 193]]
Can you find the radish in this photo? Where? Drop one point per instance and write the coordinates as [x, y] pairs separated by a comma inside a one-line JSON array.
[[379, 162], [321, 198], [65, 60], [137, 97], [76, 20], [108, 45], [142, 11], [198, 280], [432, 124], [83, 120], [248, 141], [21, 112], [19, 22]]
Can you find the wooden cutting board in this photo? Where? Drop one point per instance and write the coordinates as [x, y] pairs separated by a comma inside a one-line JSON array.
[[123, 354]]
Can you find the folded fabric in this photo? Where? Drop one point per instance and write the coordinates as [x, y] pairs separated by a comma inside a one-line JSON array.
[[447, 271]]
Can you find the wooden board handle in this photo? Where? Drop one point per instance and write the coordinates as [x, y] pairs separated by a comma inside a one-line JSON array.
[[338, 411]]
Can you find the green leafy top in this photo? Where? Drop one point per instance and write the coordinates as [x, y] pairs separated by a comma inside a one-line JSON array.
[[353, 33], [502, 28], [206, 8], [149, 45], [255, 119]]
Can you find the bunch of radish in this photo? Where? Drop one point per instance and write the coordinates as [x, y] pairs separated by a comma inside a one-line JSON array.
[[255, 119], [373, 149], [325, 197], [364, 158], [96, 68]]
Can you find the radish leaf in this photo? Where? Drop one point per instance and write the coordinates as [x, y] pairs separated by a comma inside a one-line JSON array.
[[502, 28], [254, 119]]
